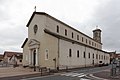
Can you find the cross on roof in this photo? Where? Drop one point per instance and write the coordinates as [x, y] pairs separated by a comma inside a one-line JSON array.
[[35, 9]]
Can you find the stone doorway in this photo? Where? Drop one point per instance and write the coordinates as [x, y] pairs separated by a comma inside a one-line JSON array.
[[34, 57], [34, 47]]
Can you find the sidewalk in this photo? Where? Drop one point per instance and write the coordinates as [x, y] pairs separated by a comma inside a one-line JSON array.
[[10, 71], [106, 75], [27, 72]]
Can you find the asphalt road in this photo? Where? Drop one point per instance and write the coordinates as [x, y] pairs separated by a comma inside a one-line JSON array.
[[76, 74]]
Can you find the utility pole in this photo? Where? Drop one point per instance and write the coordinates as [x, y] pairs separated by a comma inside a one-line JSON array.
[[113, 69]]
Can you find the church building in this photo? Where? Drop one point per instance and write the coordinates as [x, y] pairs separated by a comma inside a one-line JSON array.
[[54, 44]]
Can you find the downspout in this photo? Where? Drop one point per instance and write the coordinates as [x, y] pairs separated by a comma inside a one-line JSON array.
[[97, 57], [85, 56], [58, 53]]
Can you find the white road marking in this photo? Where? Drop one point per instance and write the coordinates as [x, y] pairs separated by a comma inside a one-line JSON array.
[[81, 76], [84, 79], [77, 74], [74, 74], [67, 74]]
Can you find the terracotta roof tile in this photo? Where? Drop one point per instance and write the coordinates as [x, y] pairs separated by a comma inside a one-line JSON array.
[[10, 53]]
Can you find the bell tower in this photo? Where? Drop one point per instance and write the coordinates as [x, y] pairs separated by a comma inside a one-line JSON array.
[[97, 34]]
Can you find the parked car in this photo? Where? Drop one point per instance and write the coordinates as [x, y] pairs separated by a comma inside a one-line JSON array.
[[100, 63]]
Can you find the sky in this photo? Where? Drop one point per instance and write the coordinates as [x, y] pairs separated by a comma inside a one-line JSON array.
[[83, 15]]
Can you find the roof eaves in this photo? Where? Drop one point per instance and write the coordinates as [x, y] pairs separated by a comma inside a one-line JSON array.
[[24, 42], [43, 13]]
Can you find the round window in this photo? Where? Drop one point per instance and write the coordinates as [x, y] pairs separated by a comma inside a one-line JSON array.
[[35, 29]]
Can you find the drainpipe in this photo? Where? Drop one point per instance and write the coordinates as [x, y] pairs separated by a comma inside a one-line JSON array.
[[97, 57], [58, 53], [85, 56]]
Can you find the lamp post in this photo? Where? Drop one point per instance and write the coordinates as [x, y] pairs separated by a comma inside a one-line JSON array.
[[113, 70]]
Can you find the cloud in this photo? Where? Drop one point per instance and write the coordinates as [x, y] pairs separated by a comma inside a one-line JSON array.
[[108, 18], [83, 15], [12, 31], [111, 18]]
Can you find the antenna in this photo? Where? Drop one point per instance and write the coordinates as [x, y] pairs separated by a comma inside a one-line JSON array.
[[35, 9]]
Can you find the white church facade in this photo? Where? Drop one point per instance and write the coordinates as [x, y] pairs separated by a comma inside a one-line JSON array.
[[54, 44]]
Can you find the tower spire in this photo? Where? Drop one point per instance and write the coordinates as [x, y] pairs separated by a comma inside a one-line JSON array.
[[97, 34]]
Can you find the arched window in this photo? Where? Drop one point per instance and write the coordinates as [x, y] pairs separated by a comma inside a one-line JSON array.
[[86, 40], [78, 53], [35, 28], [72, 35], [77, 37], [57, 29], [99, 56], [84, 54], [89, 55], [65, 32], [92, 43], [70, 53], [93, 55], [46, 54], [82, 39]]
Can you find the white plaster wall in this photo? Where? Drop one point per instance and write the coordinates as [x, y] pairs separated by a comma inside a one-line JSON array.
[[74, 60], [25, 53], [46, 41]]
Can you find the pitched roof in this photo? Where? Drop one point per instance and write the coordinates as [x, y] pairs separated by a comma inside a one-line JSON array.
[[24, 42], [18, 56], [10, 53], [73, 41], [43, 13], [1, 56], [118, 55]]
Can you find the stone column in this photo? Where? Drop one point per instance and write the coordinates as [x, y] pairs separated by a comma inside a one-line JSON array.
[[30, 61], [37, 57], [31, 57]]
